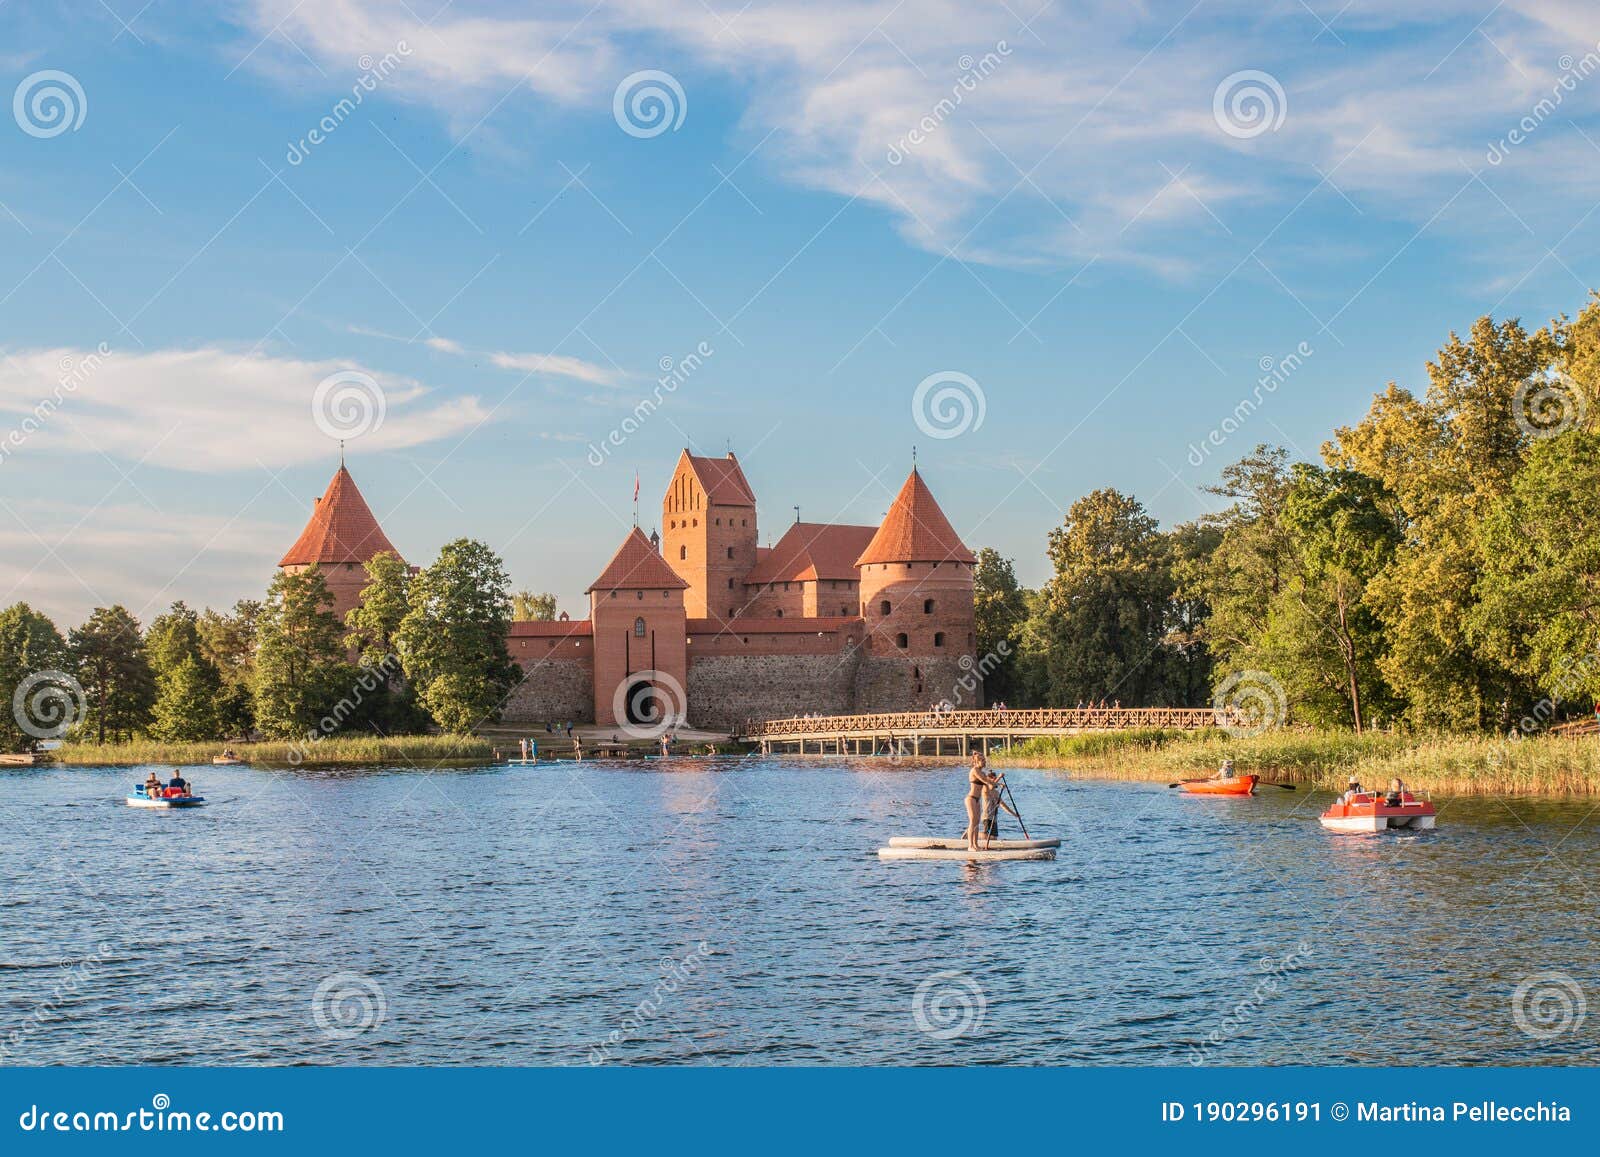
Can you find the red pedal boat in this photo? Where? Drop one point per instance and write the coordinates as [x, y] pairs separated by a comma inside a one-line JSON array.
[[1370, 811], [1233, 785]]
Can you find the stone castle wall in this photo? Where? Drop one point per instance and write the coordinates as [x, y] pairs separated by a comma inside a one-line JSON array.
[[553, 691], [726, 690], [903, 684]]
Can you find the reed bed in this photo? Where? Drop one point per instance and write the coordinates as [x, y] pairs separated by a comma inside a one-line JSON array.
[[1447, 764], [334, 751]]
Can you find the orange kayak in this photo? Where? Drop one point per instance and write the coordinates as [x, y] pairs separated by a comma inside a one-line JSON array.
[[1238, 785]]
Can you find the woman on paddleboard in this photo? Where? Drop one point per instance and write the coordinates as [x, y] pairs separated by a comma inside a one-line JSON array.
[[983, 792]]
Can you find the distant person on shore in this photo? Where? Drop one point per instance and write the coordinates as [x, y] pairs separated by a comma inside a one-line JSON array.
[[577, 748], [666, 745]]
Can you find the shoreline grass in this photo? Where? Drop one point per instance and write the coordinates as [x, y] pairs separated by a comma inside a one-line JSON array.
[[1447, 764], [335, 751]]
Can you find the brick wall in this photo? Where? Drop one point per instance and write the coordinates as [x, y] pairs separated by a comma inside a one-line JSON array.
[[914, 684]]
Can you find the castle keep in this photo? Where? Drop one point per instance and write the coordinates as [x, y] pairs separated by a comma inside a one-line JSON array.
[[702, 621]]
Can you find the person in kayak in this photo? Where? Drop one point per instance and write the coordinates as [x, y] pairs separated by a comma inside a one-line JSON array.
[[152, 786]]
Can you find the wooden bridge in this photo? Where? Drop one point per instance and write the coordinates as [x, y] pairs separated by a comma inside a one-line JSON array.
[[958, 732]]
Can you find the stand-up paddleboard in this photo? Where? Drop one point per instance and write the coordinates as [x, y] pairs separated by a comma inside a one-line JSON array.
[[959, 843], [963, 854]]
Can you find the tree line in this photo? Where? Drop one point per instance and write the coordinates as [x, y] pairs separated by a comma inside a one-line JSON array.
[[1438, 568], [420, 650]]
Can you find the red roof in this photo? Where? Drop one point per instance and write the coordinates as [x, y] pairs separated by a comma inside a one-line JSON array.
[[637, 565], [342, 528], [813, 550], [722, 480], [915, 530]]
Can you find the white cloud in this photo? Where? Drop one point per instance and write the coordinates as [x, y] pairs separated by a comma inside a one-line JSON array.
[[1079, 123], [202, 409], [575, 368], [443, 345]]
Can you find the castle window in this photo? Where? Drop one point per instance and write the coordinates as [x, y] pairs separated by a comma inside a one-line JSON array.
[[927, 606], [719, 522], [844, 610], [883, 607], [638, 628], [666, 594], [744, 522], [730, 584], [683, 553], [730, 552], [902, 641], [938, 638], [613, 594], [639, 595]]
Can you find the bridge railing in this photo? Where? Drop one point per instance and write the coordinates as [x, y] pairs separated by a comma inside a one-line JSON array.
[[994, 720]]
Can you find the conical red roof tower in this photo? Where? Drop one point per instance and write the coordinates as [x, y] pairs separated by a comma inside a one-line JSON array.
[[342, 528], [915, 530]]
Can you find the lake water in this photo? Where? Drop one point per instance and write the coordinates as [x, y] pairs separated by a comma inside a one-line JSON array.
[[727, 912]]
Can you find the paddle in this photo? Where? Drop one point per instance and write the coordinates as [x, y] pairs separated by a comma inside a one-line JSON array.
[[1006, 787]]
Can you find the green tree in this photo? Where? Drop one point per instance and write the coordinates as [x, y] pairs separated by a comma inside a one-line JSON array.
[[29, 644], [530, 606], [453, 638], [300, 672], [1321, 636], [999, 607], [1538, 600], [188, 685], [1447, 458], [187, 705], [1104, 613], [108, 658], [228, 642], [374, 626], [1187, 679]]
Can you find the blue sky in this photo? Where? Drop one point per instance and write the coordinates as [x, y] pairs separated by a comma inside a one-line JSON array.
[[1105, 218]]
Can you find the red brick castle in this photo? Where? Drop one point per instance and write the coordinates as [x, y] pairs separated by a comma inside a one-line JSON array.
[[703, 620]]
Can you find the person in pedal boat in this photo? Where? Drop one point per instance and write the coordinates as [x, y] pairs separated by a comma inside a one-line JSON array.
[[152, 786], [178, 785], [1352, 790], [1396, 794]]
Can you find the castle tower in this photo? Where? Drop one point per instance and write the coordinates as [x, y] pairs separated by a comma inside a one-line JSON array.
[[340, 537], [641, 660], [708, 521], [917, 602]]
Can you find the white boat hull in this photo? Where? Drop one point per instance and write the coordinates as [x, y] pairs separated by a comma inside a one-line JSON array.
[[963, 854], [166, 804], [1376, 823]]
